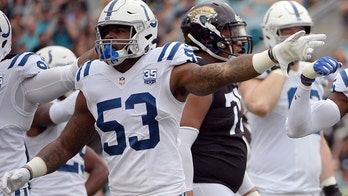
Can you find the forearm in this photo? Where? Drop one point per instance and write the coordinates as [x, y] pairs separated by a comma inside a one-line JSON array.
[[327, 177], [73, 138], [264, 96], [327, 168], [306, 118], [47, 161], [97, 171], [50, 84], [248, 66], [96, 181], [208, 78]]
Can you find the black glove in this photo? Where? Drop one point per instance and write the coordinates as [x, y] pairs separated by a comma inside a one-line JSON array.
[[332, 190]]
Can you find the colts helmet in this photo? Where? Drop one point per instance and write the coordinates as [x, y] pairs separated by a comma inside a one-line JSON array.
[[203, 25], [56, 56], [143, 35], [284, 14], [5, 35]]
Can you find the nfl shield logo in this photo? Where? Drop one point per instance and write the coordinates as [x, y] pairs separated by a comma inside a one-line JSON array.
[[122, 80]]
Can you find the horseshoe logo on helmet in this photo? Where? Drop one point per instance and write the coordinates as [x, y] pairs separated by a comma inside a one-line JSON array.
[[5, 35]]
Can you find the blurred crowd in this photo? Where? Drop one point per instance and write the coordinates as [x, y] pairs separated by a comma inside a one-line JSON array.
[[71, 23], [39, 23]]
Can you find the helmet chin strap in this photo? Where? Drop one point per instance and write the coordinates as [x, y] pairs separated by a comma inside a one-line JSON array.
[[204, 48]]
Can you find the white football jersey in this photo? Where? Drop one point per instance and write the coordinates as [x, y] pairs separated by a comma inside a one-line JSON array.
[[279, 164], [137, 118], [16, 112], [70, 179]]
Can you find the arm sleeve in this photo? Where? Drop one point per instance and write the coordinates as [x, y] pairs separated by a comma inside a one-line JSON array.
[[187, 135], [61, 111], [307, 117], [50, 84]]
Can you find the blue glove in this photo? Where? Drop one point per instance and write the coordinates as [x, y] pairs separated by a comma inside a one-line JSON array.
[[326, 65], [322, 67]]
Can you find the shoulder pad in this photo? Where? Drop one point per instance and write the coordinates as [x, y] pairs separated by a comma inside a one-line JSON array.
[[340, 83], [177, 52], [29, 63]]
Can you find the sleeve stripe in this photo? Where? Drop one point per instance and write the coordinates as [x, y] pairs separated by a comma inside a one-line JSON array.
[[344, 77], [160, 58], [86, 68], [22, 62], [13, 61], [24, 59], [172, 51]]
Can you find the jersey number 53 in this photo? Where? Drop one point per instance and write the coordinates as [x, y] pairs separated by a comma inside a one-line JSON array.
[[147, 119]]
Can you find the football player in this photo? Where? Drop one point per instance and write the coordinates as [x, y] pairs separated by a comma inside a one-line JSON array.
[[217, 34], [48, 123], [25, 81], [294, 166], [133, 96]]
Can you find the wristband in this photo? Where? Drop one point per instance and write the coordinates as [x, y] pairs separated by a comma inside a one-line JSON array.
[[30, 171], [275, 67], [306, 81], [262, 61], [328, 181], [37, 167], [309, 71], [255, 193], [271, 56]]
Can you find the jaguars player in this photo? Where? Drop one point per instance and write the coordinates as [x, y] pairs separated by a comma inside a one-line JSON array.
[[219, 154], [133, 96]]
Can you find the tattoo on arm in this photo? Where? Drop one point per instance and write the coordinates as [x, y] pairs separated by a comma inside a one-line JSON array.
[[210, 78], [70, 142]]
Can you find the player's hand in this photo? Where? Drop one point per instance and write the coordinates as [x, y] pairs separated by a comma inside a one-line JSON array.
[[332, 190], [321, 67], [297, 47], [14, 180]]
